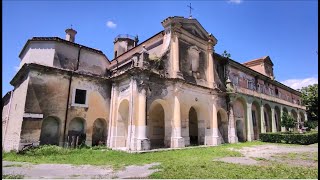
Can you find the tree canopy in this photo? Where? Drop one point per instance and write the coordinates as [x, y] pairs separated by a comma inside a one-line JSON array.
[[310, 100]]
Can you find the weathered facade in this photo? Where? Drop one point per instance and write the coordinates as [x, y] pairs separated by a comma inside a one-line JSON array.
[[170, 91]]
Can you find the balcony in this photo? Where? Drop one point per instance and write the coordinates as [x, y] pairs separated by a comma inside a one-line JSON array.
[[266, 97]]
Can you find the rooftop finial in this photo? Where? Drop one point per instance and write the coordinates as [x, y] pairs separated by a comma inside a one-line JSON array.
[[190, 15]]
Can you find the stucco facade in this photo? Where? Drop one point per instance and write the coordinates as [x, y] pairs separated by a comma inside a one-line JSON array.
[[170, 91]]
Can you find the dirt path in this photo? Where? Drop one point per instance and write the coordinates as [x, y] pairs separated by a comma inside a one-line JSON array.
[[304, 155], [67, 171]]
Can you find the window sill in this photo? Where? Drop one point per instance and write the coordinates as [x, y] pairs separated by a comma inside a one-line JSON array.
[[79, 105]]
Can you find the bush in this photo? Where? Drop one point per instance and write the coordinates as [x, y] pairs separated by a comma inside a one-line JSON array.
[[290, 138], [287, 121], [311, 125], [47, 150]]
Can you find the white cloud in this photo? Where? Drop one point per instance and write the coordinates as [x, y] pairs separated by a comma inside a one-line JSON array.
[[235, 1], [111, 24], [299, 83], [16, 68]]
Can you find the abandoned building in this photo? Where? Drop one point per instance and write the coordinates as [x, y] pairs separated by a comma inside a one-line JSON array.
[[170, 91]]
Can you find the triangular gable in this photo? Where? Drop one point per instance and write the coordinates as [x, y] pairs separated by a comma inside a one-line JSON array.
[[191, 25], [268, 60]]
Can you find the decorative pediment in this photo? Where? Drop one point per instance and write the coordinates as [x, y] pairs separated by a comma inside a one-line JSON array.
[[190, 25]]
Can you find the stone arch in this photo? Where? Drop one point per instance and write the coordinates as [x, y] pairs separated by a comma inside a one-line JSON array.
[[294, 114], [76, 132], [256, 119], [240, 117], [50, 129], [223, 125], [193, 127], [200, 114], [156, 130], [267, 117], [302, 118], [99, 132], [277, 118], [123, 123]]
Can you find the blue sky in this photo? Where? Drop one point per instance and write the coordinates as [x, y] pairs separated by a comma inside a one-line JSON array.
[[287, 31]]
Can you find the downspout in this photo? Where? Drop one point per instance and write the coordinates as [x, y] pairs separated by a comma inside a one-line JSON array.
[[68, 97], [7, 118]]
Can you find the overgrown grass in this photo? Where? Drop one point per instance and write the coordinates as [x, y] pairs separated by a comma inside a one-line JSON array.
[[12, 176], [194, 163]]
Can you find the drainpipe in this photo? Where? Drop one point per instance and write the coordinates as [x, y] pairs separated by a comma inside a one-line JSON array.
[[8, 115], [68, 97]]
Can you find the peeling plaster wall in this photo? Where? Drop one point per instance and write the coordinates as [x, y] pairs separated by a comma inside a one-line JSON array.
[[187, 64], [16, 115], [47, 94], [93, 62], [98, 92]]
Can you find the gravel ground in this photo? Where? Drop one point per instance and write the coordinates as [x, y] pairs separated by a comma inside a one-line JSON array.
[[60, 171], [258, 154]]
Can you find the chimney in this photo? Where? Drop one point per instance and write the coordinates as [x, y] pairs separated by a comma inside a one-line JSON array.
[[71, 34]]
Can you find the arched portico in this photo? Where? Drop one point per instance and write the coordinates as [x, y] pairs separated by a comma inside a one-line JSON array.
[[122, 124], [240, 117], [99, 132], [223, 125], [156, 125], [76, 132], [50, 131]]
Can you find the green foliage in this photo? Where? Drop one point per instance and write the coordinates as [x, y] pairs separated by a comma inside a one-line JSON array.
[[310, 124], [226, 54], [194, 163], [310, 100], [287, 121], [12, 176], [290, 138]]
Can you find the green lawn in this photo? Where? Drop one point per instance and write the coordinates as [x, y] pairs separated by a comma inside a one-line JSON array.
[[196, 163]]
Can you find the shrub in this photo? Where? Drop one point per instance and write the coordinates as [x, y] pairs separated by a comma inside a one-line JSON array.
[[287, 121], [310, 125], [47, 150], [290, 138]]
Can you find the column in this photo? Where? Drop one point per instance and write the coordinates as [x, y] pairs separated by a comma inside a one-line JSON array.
[[263, 124], [232, 130], [176, 140], [113, 118], [213, 139], [283, 129], [210, 67], [250, 133], [273, 125], [175, 54], [143, 143]]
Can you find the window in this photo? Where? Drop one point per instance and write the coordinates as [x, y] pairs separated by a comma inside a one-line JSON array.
[[250, 85], [235, 80], [80, 98], [258, 87], [277, 92]]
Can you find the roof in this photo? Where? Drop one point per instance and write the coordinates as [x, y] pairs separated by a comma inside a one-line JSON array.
[[258, 61], [57, 39]]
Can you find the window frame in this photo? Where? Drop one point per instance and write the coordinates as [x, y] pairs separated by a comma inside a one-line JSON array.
[[73, 103]]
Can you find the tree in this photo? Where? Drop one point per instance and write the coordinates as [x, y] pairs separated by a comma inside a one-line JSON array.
[[287, 121], [310, 100]]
